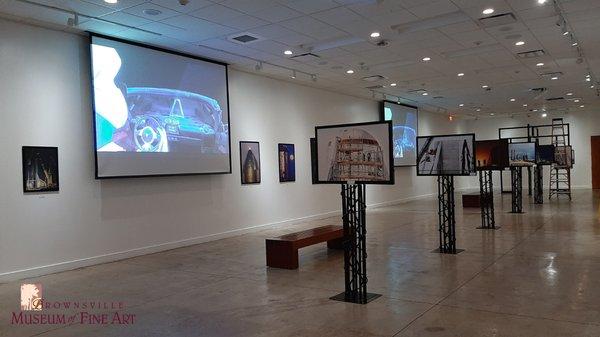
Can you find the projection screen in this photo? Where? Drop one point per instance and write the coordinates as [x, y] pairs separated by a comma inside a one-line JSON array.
[[405, 125], [157, 112]]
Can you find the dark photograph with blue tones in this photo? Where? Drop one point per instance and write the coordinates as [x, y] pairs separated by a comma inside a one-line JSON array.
[[287, 163], [545, 154], [40, 169], [250, 162], [521, 154], [404, 125]]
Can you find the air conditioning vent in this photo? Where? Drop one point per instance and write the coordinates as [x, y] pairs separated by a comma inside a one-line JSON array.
[[373, 87], [373, 78], [245, 38], [538, 90], [417, 91], [552, 99], [552, 74], [498, 20], [306, 58], [531, 54]]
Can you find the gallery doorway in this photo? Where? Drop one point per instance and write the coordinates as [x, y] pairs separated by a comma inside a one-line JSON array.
[[595, 162]]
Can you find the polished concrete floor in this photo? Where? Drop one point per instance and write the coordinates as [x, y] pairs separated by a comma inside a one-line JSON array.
[[539, 275]]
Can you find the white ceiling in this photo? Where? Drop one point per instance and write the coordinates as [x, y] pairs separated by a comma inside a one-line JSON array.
[[340, 30]]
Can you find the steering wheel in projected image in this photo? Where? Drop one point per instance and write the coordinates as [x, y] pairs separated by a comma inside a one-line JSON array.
[[150, 135]]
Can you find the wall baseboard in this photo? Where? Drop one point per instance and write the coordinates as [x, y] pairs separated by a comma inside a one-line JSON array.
[[116, 256]]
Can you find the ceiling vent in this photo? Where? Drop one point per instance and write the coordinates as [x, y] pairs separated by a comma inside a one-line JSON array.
[[531, 54], [552, 74], [417, 91], [554, 99], [307, 58], [244, 38], [539, 90], [497, 20], [374, 87], [373, 78]]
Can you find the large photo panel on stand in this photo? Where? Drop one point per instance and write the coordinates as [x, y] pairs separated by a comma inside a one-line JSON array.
[[360, 153], [451, 155], [491, 154], [404, 129], [157, 112], [521, 154]]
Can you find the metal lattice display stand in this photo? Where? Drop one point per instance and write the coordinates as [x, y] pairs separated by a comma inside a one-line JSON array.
[[538, 186], [355, 246], [516, 177], [486, 200], [447, 220]]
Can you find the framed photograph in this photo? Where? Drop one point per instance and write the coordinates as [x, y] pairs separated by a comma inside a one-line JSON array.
[[287, 162], [360, 153], [405, 128], [563, 156], [451, 155], [521, 154], [491, 154], [250, 162], [40, 169], [545, 154]]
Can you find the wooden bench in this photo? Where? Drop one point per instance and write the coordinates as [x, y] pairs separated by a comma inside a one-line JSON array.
[[282, 252], [471, 200]]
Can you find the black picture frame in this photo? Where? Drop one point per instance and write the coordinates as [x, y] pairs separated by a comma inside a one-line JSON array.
[[46, 156], [382, 117], [389, 156], [473, 162], [541, 153], [242, 178], [168, 51], [281, 178], [526, 163], [502, 162]]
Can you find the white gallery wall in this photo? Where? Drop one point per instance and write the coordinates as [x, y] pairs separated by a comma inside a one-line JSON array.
[[583, 125], [45, 101]]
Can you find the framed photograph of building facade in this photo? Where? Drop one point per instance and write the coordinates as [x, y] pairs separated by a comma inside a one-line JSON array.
[[287, 162], [521, 154]]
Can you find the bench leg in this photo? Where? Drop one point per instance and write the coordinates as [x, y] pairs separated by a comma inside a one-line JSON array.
[[336, 243], [281, 255]]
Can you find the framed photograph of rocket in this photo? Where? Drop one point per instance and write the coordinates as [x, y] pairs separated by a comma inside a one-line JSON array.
[[360, 153], [250, 162], [40, 169], [287, 162]]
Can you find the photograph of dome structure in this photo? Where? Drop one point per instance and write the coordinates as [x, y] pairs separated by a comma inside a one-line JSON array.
[[446, 155], [356, 152]]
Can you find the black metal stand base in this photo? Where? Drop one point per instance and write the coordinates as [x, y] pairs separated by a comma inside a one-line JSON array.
[[495, 227], [516, 177], [538, 185], [456, 251], [486, 200], [343, 297], [446, 218], [355, 246]]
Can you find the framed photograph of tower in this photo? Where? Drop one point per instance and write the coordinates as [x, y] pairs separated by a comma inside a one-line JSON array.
[[360, 153], [287, 162], [40, 169], [250, 162], [451, 155]]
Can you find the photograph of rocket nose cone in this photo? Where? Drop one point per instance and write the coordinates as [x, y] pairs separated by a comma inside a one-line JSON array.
[[300, 168]]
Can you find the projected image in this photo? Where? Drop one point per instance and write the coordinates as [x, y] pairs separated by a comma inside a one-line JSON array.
[[287, 162], [40, 169], [355, 152], [155, 102], [446, 155], [521, 154], [491, 154], [250, 162], [404, 125], [545, 154]]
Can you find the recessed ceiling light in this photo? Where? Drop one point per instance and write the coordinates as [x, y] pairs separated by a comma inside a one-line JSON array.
[[349, 71], [375, 34], [566, 32], [424, 94], [588, 75], [488, 11], [574, 44], [461, 104], [288, 52], [588, 79], [541, 2], [512, 99], [541, 64], [592, 86], [460, 74], [582, 106], [524, 104], [111, 1], [576, 100], [478, 110], [491, 114], [535, 110], [554, 78], [544, 115], [426, 58], [393, 85], [519, 43], [151, 11], [484, 86], [569, 94]]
